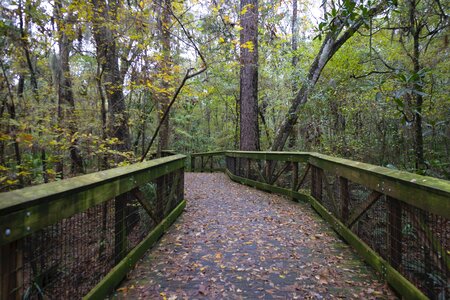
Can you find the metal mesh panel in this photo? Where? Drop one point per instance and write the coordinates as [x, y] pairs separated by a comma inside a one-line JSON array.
[[67, 259]]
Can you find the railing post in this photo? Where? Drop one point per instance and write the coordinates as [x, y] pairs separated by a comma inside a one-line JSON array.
[[345, 198], [192, 163], [395, 231], [11, 266], [211, 163], [294, 182], [316, 183], [202, 165]]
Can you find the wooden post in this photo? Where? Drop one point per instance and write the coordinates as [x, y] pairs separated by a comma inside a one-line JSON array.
[[395, 231], [120, 227], [202, 165], [345, 198], [211, 163], [11, 268], [294, 181], [316, 183], [192, 163]]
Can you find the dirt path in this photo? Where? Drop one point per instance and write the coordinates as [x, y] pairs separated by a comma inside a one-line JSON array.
[[235, 242]]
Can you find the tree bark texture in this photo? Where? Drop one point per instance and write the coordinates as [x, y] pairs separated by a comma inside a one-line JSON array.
[[249, 129], [66, 102], [105, 38]]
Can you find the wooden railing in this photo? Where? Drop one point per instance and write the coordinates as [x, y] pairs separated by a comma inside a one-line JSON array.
[[208, 161], [398, 222], [78, 237]]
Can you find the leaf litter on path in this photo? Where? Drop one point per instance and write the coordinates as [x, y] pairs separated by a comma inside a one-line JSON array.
[[236, 242]]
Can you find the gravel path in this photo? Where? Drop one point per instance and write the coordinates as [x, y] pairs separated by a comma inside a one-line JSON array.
[[235, 242]]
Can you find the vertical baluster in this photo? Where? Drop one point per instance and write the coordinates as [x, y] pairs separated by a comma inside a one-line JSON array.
[[11, 265]]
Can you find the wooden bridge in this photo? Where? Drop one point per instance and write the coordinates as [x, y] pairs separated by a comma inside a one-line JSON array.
[[80, 237]]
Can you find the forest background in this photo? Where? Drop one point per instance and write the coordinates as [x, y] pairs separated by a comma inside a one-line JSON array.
[[87, 85]]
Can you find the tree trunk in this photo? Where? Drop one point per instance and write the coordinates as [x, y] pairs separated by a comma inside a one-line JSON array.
[[165, 68], [107, 54], [332, 42], [418, 132], [294, 25], [66, 103], [249, 129]]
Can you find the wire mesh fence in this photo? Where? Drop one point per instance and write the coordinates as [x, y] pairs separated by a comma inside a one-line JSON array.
[[65, 260], [414, 241]]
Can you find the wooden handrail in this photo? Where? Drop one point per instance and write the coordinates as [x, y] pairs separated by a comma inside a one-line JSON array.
[[27, 210]]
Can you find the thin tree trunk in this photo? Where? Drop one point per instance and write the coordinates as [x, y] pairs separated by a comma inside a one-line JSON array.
[[165, 67], [294, 26], [332, 42], [66, 103]]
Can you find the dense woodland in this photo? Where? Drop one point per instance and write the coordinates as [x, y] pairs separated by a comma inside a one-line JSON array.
[[87, 85]]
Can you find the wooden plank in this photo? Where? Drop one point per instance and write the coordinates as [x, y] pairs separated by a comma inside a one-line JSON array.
[[365, 206], [115, 276], [37, 207]]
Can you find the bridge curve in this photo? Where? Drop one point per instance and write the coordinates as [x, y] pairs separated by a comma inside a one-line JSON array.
[[236, 242]]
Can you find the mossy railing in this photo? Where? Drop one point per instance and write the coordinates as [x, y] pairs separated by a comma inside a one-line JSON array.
[[397, 221], [62, 239]]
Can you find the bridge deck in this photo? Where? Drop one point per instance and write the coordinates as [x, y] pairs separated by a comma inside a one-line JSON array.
[[235, 242]]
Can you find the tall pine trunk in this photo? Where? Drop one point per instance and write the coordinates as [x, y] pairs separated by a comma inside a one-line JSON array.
[[249, 129]]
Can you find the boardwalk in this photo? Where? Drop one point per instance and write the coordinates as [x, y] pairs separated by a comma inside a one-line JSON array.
[[235, 242]]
